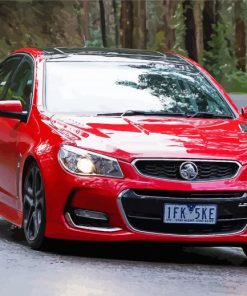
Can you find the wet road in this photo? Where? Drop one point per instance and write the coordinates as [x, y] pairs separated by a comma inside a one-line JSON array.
[[71, 269], [240, 100]]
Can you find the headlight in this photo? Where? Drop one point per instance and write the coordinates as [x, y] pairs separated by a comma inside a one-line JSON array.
[[82, 162]]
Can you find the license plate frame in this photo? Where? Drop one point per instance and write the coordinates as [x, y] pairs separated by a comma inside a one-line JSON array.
[[187, 213]]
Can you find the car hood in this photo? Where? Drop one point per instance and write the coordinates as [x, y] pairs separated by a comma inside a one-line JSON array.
[[134, 137]]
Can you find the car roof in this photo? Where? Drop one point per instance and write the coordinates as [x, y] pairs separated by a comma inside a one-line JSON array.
[[105, 55], [100, 51], [108, 54]]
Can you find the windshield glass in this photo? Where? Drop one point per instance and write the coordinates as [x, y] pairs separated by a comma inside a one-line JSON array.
[[91, 88]]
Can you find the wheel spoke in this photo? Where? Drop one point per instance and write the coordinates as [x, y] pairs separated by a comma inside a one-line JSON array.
[[39, 217], [39, 195], [34, 176], [30, 223], [29, 200], [29, 191], [35, 224]]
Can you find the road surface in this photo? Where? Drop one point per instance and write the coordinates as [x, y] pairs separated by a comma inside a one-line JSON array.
[[240, 101], [84, 269]]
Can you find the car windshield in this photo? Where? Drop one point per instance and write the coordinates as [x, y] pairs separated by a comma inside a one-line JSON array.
[[91, 88]]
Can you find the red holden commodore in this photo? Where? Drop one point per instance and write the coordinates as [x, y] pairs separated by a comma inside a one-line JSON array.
[[120, 145]]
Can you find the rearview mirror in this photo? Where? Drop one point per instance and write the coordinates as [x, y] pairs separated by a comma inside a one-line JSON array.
[[12, 109], [244, 112]]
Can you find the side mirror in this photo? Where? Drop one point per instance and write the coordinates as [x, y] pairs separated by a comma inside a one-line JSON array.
[[244, 112], [12, 109]]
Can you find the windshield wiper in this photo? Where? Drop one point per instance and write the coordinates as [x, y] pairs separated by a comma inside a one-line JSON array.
[[162, 113], [145, 113], [209, 115]]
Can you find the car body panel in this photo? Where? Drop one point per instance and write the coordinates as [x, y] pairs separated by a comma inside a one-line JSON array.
[[136, 137]]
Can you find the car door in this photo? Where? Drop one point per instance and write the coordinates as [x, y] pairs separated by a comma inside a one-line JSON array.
[[18, 86]]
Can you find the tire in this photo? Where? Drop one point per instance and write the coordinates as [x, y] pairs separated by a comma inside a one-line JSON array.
[[244, 248], [34, 212]]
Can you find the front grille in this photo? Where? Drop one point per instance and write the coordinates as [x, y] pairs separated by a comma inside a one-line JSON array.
[[144, 211], [170, 169]]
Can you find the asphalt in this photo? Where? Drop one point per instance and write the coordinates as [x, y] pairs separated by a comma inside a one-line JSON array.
[[71, 269], [68, 269], [241, 101]]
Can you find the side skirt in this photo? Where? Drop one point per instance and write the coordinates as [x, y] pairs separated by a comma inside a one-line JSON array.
[[12, 215]]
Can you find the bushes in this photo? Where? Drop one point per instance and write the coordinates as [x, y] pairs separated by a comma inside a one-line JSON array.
[[236, 82], [220, 60]]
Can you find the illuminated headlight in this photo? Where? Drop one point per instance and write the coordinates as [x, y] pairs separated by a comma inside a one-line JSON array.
[[82, 162]]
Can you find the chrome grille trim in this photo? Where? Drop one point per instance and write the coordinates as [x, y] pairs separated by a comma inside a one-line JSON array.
[[72, 224]]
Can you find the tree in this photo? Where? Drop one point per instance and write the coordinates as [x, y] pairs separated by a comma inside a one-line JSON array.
[[139, 24], [102, 22], [169, 11], [111, 20], [126, 23], [208, 22], [198, 7], [240, 46], [190, 30], [115, 13], [85, 20]]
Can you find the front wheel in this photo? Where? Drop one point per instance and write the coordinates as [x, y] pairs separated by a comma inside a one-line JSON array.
[[244, 248], [34, 214]]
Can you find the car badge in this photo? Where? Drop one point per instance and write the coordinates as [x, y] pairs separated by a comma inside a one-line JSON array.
[[188, 171]]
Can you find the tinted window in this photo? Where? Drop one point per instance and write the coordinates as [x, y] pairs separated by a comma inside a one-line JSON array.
[[22, 84], [100, 87], [6, 70]]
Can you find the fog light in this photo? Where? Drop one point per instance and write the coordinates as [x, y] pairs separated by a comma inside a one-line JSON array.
[[90, 214]]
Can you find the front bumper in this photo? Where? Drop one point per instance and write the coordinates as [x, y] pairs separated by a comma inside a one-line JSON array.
[[65, 192], [144, 211]]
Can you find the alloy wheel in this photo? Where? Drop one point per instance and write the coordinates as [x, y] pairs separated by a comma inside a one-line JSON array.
[[33, 207]]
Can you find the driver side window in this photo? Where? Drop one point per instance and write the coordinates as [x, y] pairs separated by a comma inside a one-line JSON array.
[[7, 69], [21, 85]]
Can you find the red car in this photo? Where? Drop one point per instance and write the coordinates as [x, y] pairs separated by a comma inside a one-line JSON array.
[[120, 145]]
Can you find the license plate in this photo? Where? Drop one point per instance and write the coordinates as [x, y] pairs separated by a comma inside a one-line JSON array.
[[190, 214]]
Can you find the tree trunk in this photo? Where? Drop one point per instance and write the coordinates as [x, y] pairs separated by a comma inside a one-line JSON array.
[[102, 22], [85, 20], [208, 22], [127, 23], [190, 30], [198, 7], [139, 22], [169, 11], [116, 20], [240, 46], [218, 5], [110, 23]]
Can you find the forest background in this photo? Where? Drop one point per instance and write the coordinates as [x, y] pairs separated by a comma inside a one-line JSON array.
[[212, 32]]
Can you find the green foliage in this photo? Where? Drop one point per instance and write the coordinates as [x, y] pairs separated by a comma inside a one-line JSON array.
[[159, 42], [155, 24], [179, 27], [95, 40], [220, 61], [236, 82]]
